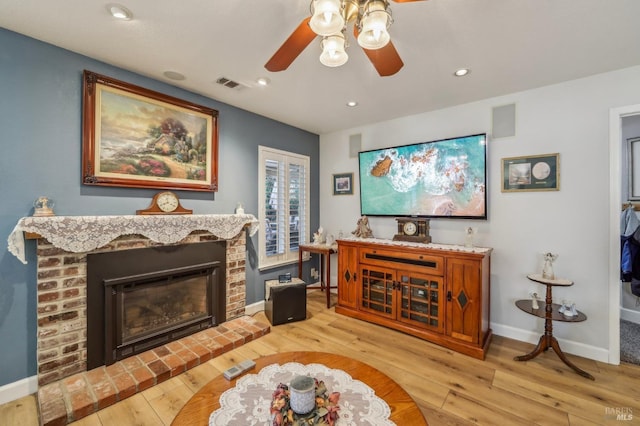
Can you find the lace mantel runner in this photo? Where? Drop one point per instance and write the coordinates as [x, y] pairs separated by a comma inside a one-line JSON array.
[[249, 401], [79, 234]]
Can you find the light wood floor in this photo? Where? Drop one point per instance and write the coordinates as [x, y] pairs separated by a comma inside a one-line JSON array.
[[450, 388]]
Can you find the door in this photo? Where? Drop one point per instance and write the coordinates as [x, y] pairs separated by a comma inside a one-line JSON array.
[[625, 301], [464, 281], [348, 276], [377, 291], [421, 301]]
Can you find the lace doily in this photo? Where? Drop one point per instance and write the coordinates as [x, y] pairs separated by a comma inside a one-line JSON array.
[[249, 401], [448, 247], [79, 234]]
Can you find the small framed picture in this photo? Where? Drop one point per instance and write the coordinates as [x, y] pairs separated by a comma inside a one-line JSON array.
[[343, 184], [531, 173]]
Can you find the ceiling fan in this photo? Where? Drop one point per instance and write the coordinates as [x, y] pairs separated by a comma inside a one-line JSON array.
[[329, 19]]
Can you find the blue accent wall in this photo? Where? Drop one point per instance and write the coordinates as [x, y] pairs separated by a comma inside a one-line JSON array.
[[41, 141]]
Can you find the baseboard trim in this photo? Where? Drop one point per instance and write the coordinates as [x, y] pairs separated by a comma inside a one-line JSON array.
[[569, 346], [254, 308], [16, 390], [630, 315]]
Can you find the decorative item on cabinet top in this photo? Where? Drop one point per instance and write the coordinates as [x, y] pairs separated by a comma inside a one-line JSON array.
[[413, 229], [362, 229]]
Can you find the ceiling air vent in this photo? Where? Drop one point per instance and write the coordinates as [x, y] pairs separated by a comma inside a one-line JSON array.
[[228, 83]]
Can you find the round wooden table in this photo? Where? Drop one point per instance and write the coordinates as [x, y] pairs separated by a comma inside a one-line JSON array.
[[404, 410]]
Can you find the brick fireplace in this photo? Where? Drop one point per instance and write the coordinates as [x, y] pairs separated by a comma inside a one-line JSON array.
[[69, 388], [62, 299]]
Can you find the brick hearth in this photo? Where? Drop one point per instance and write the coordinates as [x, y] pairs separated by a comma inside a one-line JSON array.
[[82, 394]]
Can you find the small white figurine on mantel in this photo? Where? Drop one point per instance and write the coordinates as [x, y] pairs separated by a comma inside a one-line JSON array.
[[239, 209], [43, 206], [547, 268]]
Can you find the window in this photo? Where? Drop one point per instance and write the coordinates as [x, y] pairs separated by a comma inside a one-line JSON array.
[[283, 181]]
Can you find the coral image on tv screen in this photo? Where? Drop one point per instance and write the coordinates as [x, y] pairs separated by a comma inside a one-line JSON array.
[[445, 178]]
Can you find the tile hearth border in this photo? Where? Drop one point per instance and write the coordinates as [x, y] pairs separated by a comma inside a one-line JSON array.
[[72, 398]]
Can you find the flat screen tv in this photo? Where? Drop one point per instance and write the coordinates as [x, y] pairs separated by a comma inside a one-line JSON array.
[[439, 179]]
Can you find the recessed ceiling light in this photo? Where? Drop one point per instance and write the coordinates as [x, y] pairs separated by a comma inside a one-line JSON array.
[[263, 81], [119, 12], [174, 75], [461, 72], [352, 104]]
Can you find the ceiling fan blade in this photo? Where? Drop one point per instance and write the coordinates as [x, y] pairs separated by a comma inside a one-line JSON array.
[[291, 48], [386, 60]]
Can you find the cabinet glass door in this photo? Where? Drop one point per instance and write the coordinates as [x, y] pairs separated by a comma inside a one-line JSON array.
[[421, 301], [377, 291]]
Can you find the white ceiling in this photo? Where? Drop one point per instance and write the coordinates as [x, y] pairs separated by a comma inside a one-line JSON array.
[[509, 45]]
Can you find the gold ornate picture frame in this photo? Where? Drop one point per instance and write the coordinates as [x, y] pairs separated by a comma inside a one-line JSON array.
[[135, 137]]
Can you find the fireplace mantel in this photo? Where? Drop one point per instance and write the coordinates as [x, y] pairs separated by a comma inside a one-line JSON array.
[[79, 234]]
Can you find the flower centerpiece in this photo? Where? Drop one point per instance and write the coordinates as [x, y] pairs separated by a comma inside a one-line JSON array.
[[325, 412]]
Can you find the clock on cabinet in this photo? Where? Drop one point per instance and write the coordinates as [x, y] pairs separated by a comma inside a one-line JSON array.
[[165, 202], [413, 229]]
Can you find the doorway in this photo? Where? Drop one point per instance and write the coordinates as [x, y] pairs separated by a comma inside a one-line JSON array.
[[616, 115]]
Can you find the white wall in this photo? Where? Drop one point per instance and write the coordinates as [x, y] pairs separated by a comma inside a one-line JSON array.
[[572, 119]]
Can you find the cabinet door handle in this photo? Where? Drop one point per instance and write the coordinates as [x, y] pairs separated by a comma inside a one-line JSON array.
[[449, 296]]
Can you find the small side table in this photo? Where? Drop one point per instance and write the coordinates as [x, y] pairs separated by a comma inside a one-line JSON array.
[[550, 312], [325, 251]]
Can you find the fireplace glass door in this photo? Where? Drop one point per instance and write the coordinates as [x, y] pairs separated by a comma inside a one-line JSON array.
[[150, 309]]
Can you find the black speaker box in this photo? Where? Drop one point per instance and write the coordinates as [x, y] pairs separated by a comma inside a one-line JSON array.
[[287, 303]]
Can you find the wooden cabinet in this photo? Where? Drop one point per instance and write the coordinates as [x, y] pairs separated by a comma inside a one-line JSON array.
[[440, 294]]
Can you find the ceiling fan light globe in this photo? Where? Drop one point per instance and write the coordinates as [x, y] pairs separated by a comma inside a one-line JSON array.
[[373, 26], [326, 17], [374, 39], [333, 53]]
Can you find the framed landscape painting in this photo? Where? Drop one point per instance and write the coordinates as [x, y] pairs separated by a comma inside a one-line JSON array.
[[135, 137]]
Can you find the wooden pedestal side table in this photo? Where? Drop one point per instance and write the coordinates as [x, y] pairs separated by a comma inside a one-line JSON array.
[[550, 312], [325, 251]]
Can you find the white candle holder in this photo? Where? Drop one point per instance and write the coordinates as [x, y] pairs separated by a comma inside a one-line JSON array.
[[302, 394]]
